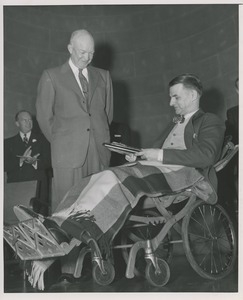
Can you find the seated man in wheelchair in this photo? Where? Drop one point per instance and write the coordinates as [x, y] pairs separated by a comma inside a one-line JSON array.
[[183, 157]]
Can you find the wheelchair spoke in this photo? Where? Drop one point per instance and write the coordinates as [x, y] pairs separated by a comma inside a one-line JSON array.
[[198, 223], [220, 257], [203, 215], [213, 261], [200, 247], [198, 236], [203, 259]]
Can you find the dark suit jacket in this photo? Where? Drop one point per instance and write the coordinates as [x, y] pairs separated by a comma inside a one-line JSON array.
[[14, 146], [67, 122], [204, 136]]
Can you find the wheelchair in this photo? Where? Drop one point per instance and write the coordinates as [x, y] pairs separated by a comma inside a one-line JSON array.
[[206, 231], [146, 239]]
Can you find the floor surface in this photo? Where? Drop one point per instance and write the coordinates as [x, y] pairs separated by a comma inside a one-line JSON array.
[[182, 279]]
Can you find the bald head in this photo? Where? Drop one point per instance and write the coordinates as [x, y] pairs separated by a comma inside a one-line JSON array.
[[80, 34], [81, 48]]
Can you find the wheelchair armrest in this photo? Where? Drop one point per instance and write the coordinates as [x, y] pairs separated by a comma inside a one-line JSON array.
[[232, 150]]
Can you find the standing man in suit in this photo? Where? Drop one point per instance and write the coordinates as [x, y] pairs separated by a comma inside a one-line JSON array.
[[27, 157], [74, 109]]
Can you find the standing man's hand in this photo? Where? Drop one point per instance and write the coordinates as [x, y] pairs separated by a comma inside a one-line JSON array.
[[28, 159], [32, 160], [26, 155]]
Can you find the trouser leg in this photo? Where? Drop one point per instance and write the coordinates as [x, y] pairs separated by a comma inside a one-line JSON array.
[[91, 165], [64, 179]]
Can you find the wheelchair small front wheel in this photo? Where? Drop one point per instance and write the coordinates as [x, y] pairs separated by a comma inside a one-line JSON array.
[[107, 276], [132, 233], [160, 276]]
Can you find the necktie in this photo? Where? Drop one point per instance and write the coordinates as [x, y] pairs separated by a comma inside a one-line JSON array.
[[178, 119], [25, 139], [84, 83]]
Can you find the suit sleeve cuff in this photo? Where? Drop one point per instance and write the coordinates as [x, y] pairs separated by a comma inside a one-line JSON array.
[[160, 155]]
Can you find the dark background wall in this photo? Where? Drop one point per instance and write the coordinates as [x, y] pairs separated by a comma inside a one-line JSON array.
[[143, 46]]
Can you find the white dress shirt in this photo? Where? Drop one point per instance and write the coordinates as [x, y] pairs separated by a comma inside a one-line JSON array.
[[23, 134], [76, 73]]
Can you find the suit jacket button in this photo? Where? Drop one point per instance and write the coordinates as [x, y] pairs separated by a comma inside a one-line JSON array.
[[90, 115], [88, 129]]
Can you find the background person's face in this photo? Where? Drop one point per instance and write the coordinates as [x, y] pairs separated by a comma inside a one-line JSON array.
[[82, 51], [181, 99], [24, 122]]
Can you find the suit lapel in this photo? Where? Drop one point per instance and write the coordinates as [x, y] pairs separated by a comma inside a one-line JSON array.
[[18, 146], [18, 138], [72, 83], [192, 128], [33, 142], [93, 82], [167, 132], [32, 139], [160, 141]]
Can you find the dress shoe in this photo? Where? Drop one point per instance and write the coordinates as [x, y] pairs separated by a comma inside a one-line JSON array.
[[66, 278]]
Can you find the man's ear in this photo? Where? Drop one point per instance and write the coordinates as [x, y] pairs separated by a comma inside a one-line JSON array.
[[70, 48], [17, 123], [194, 94]]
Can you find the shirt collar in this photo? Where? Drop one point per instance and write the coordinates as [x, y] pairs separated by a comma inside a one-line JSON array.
[[27, 134], [76, 70], [188, 116]]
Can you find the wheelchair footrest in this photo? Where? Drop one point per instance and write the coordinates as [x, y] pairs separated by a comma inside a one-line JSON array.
[[32, 241]]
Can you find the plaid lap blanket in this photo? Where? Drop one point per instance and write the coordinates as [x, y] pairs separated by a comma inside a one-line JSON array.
[[101, 203]]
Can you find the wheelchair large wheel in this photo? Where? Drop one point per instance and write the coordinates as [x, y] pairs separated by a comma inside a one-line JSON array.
[[107, 276], [133, 233], [209, 240], [160, 276]]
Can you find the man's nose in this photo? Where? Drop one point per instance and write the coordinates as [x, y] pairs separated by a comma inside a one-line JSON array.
[[85, 56], [171, 102]]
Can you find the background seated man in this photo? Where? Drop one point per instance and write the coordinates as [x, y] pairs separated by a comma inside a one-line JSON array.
[[229, 192], [27, 157], [232, 122], [192, 143]]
